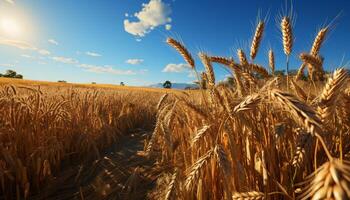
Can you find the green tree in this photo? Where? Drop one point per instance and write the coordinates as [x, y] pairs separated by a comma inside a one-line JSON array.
[[279, 72], [19, 76], [230, 81], [11, 74], [167, 84]]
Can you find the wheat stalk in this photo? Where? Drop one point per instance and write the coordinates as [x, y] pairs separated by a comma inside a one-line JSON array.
[[302, 113], [182, 50], [222, 60], [200, 133], [197, 167], [259, 69], [248, 103], [320, 37], [300, 72], [272, 61], [208, 67], [287, 35], [257, 39], [253, 195], [161, 100], [330, 93], [314, 62], [299, 91], [299, 155], [171, 188], [330, 181], [242, 58]]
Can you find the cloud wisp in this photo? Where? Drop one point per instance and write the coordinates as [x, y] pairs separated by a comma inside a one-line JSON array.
[[153, 14], [105, 69], [93, 54], [54, 42], [134, 61], [176, 68], [65, 60]]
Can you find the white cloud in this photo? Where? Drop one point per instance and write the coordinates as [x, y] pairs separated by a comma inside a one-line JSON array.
[[93, 54], [65, 60], [153, 14], [106, 69], [52, 41], [134, 61], [126, 14], [44, 52], [138, 40], [168, 27], [10, 1], [177, 68], [17, 43]]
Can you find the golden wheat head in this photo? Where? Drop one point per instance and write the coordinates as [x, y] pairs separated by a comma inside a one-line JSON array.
[[182, 50], [287, 35], [257, 39]]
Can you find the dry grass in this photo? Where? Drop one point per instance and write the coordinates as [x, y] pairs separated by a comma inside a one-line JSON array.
[[48, 127], [268, 142]]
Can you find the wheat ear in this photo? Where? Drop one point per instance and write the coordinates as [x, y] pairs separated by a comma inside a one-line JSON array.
[[287, 35], [208, 67], [200, 134], [320, 37], [197, 167], [330, 181], [259, 69], [272, 61], [222, 60], [302, 113], [242, 57], [257, 39], [182, 50], [253, 195], [171, 188], [331, 93], [299, 91], [248, 103]]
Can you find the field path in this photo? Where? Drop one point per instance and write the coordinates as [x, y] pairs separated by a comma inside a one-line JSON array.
[[122, 173]]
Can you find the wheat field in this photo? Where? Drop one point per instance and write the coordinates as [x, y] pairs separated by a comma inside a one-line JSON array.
[[265, 137]]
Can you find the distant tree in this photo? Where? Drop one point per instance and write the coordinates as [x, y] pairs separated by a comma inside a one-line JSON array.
[[167, 84], [19, 76], [279, 72], [11, 74], [230, 81], [293, 72], [122, 83], [93, 83], [62, 81]]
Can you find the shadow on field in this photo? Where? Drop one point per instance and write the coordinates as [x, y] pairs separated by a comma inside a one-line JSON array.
[[124, 172]]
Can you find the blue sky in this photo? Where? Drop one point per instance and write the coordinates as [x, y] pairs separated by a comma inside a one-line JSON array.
[[124, 40]]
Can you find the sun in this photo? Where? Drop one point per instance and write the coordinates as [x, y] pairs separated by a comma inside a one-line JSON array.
[[10, 27]]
